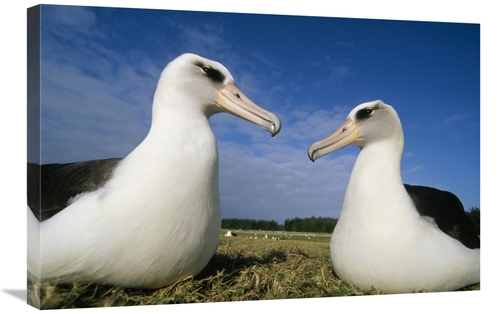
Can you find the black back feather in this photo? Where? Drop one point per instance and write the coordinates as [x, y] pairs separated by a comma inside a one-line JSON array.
[[50, 186], [447, 211]]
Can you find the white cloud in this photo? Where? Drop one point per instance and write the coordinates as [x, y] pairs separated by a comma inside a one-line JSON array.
[[345, 43], [408, 154], [202, 38], [414, 169], [69, 23], [456, 117], [341, 72]]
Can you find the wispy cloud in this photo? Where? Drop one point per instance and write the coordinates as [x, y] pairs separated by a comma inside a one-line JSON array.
[[340, 72], [345, 43], [456, 117], [203, 38], [414, 169], [69, 23]]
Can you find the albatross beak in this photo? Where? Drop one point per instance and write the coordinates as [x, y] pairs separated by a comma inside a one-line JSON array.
[[345, 135], [234, 101]]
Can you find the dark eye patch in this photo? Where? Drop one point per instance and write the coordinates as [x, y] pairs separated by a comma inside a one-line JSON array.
[[364, 113], [212, 73]]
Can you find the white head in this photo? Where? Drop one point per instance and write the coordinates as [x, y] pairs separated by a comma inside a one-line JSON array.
[[208, 86], [366, 124]]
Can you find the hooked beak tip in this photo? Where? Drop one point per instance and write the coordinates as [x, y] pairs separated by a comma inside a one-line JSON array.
[[310, 154], [275, 125]]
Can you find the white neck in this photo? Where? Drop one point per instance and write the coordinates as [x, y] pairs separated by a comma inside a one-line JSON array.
[[181, 138], [179, 129], [375, 191]]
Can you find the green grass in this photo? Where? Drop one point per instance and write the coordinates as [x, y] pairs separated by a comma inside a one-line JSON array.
[[243, 269]]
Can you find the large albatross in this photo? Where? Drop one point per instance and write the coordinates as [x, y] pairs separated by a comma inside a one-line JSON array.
[[153, 217], [391, 236]]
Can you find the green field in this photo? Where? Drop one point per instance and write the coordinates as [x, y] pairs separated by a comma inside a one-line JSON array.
[[244, 268]]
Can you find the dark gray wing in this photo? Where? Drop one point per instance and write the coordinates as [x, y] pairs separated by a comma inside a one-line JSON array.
[[447, 211], [50, 186]]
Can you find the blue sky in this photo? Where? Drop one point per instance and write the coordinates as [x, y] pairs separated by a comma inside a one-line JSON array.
[[100, 67]]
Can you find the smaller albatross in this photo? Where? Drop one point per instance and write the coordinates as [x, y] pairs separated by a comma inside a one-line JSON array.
[[391, 236], [153, 217]]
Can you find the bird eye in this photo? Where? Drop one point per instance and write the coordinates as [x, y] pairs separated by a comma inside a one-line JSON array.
[[207, 70], [364, 113], [212, 73]]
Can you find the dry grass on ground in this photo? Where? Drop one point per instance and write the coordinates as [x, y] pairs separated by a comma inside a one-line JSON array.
[[243, 269]]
